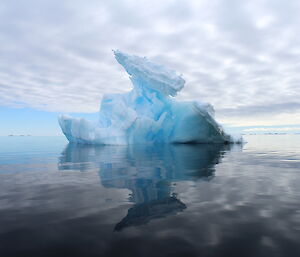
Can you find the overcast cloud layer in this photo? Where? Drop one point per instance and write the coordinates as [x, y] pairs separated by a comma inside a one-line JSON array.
[[241, 56]]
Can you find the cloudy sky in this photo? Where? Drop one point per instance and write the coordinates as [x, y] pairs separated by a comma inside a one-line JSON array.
[[241, 56]]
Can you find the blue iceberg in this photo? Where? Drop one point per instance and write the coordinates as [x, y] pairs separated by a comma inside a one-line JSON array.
[[148, 113]]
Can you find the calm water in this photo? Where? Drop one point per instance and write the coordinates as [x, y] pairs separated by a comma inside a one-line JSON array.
[[58, 199]]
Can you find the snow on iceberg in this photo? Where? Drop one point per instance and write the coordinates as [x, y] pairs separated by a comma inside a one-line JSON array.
[[148, 113]]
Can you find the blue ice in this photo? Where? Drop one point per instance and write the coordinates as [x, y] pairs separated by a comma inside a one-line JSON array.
[[149, 113]]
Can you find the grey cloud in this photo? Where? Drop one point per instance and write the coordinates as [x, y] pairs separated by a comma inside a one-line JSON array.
[[56, 55], [262, 109]]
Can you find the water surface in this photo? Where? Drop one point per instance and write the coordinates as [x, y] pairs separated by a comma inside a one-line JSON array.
[[60, 199]]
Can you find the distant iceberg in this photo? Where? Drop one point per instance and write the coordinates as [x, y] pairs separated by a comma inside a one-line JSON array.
[[148, 113]]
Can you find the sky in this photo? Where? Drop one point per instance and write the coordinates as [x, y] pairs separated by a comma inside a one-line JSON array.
[[243, 57]]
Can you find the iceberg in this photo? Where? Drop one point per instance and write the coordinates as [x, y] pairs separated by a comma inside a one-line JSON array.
[[148, 114]]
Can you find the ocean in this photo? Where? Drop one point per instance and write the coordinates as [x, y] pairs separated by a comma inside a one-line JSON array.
[[60, 199]]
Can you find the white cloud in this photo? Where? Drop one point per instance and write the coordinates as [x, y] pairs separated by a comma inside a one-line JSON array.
[[264, 22], [56, 55], [281, 129]]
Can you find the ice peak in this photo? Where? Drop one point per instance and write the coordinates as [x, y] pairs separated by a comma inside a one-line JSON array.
[[150, 75]]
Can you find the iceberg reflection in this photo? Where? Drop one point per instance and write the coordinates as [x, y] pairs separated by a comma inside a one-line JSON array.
[[147, 171]]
